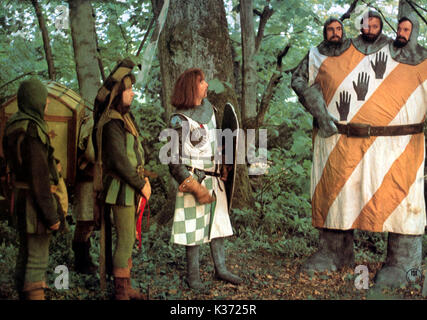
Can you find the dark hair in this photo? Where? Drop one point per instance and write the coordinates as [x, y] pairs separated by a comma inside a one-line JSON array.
[[328, 22], [99, 107], [117, 100], [404, 19], [184, 92]]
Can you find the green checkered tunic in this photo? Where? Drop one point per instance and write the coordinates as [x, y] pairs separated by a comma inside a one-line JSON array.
[[196, 223]]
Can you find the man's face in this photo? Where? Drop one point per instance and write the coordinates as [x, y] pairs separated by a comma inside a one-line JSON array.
[[127, 97], [334, 32], [404, 30], [373, 31], [202, 88]]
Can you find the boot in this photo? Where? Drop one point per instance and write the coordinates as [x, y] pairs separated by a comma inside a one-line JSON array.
[[335, 251], [120, 288], [403, 262], [200, 192], [82, 259], [134, 294], [193, 272], [218, 256], [36, 294], [33, 290]]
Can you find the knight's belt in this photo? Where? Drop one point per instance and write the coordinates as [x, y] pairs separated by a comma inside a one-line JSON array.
[[365, 130], [208, 173]]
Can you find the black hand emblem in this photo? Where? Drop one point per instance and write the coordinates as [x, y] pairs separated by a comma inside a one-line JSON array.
[[344, 106], [362, 86], [380, 65]]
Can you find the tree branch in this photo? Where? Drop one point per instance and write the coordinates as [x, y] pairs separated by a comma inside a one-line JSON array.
[[146, 35], [416, 11], [381, 13], [417, 5], [236, 42], [349, 11], [98, 51], [265, 15], [17, 78], [271, 87], [256, 12], [46, 44], [121, 28]]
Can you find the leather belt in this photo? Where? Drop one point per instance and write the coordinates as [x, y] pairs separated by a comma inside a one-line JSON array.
[[362, 130], [26, 186], [208, 173]]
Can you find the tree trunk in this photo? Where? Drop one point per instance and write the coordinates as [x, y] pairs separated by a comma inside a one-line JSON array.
[[249, 76], [46, 43], [84, 43], [196, 35], [82, 22]]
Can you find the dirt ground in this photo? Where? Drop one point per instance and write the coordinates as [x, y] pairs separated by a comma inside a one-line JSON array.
[[268, 277]]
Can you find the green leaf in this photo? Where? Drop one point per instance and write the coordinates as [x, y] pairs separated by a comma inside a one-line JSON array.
[[216, 85]]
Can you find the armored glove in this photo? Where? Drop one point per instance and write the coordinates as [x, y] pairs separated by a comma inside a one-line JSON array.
[[200, 192], [315, 104]]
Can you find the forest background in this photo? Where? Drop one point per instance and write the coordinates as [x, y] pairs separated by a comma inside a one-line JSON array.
[[258, 43]]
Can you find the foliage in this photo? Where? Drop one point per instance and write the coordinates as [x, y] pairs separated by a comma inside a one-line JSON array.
[[280, 220], [159, 268], [277, 225]]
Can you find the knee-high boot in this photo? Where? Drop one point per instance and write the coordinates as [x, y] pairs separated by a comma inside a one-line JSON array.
[[404, 255], [218, 256], [81, 246], [34, 290], [193, 269], [335, 251]]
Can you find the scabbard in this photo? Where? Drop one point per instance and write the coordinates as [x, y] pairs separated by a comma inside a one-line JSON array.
[[102, 269], [212, 207]]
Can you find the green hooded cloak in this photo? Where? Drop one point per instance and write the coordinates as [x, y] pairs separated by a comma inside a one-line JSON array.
[[30, 157], [32, 95]]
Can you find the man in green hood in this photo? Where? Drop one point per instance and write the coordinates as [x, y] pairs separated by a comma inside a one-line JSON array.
[[29, 156]]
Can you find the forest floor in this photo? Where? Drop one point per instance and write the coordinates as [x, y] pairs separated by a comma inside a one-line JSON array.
[[269, 277], [266, 277]]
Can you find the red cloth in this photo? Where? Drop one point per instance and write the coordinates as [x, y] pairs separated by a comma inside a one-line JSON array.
[[140, 211]]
